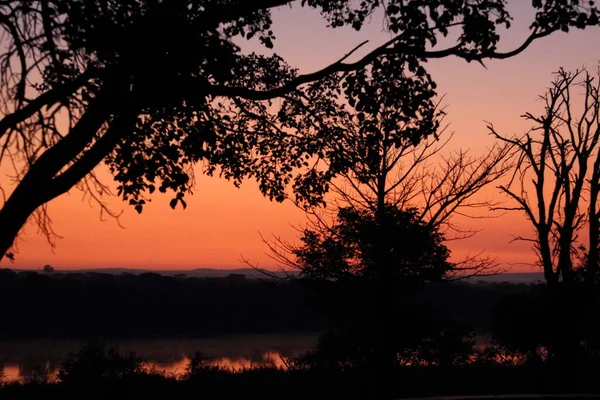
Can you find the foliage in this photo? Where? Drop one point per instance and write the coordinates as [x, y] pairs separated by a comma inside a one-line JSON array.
[[475, 378], [84, 81], [437, 348], [94, 364], [372, 260], [49, 269], [389, 144], [359, 241]]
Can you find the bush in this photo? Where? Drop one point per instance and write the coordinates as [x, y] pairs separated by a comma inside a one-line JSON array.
[[93, 363]]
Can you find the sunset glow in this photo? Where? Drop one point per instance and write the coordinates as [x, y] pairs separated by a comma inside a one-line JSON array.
[[222, 224]]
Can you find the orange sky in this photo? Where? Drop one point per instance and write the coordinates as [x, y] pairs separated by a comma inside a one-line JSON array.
[[222, 224]]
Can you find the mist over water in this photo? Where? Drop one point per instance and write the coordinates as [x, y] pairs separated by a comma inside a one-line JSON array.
[[22, 359]]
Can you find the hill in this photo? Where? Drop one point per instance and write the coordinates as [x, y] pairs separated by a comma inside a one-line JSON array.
[[252, 273]]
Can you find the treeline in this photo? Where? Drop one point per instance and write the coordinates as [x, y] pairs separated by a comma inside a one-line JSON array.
[[94, 305]]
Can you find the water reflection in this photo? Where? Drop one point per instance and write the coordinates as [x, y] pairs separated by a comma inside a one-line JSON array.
[[11, 373], [42, 358]]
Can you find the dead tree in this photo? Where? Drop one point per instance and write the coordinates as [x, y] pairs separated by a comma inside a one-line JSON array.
[[557, 178]]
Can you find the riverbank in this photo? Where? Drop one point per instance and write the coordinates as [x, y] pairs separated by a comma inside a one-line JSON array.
[[97, 373]]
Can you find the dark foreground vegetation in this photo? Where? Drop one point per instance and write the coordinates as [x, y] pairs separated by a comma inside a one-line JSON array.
[[452, 338], [87, 82], [97, 373]]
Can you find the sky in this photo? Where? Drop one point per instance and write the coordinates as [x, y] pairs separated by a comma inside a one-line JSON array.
[[222, 224]]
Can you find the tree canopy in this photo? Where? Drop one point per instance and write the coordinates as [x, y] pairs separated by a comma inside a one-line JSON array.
[[153, 87], [355, 244]]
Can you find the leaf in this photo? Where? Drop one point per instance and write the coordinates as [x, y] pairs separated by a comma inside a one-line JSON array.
[[173, 203]]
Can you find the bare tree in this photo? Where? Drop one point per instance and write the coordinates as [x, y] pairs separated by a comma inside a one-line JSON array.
[[424, 179], [439, 184], [557, 179]]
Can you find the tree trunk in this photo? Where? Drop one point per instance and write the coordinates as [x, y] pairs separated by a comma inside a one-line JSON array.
[[594, 226], [13, 216], [546, 257], [385, 346], [567, 334], [565, 265], [41, 182]]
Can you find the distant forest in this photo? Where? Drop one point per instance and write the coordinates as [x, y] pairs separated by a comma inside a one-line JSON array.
[[96, 305]]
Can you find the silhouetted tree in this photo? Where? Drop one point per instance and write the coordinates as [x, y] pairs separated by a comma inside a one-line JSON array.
[[391, 144], [391, 205], [152, 87], [351, 249], [374, 260], [394, 149], [557, 179], [48, 269], [556, 184]]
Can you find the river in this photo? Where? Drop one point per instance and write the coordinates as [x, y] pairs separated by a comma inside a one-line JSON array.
[[20, 359]]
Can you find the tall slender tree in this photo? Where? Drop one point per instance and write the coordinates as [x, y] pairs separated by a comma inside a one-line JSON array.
[[556, 185], [557, 180]]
